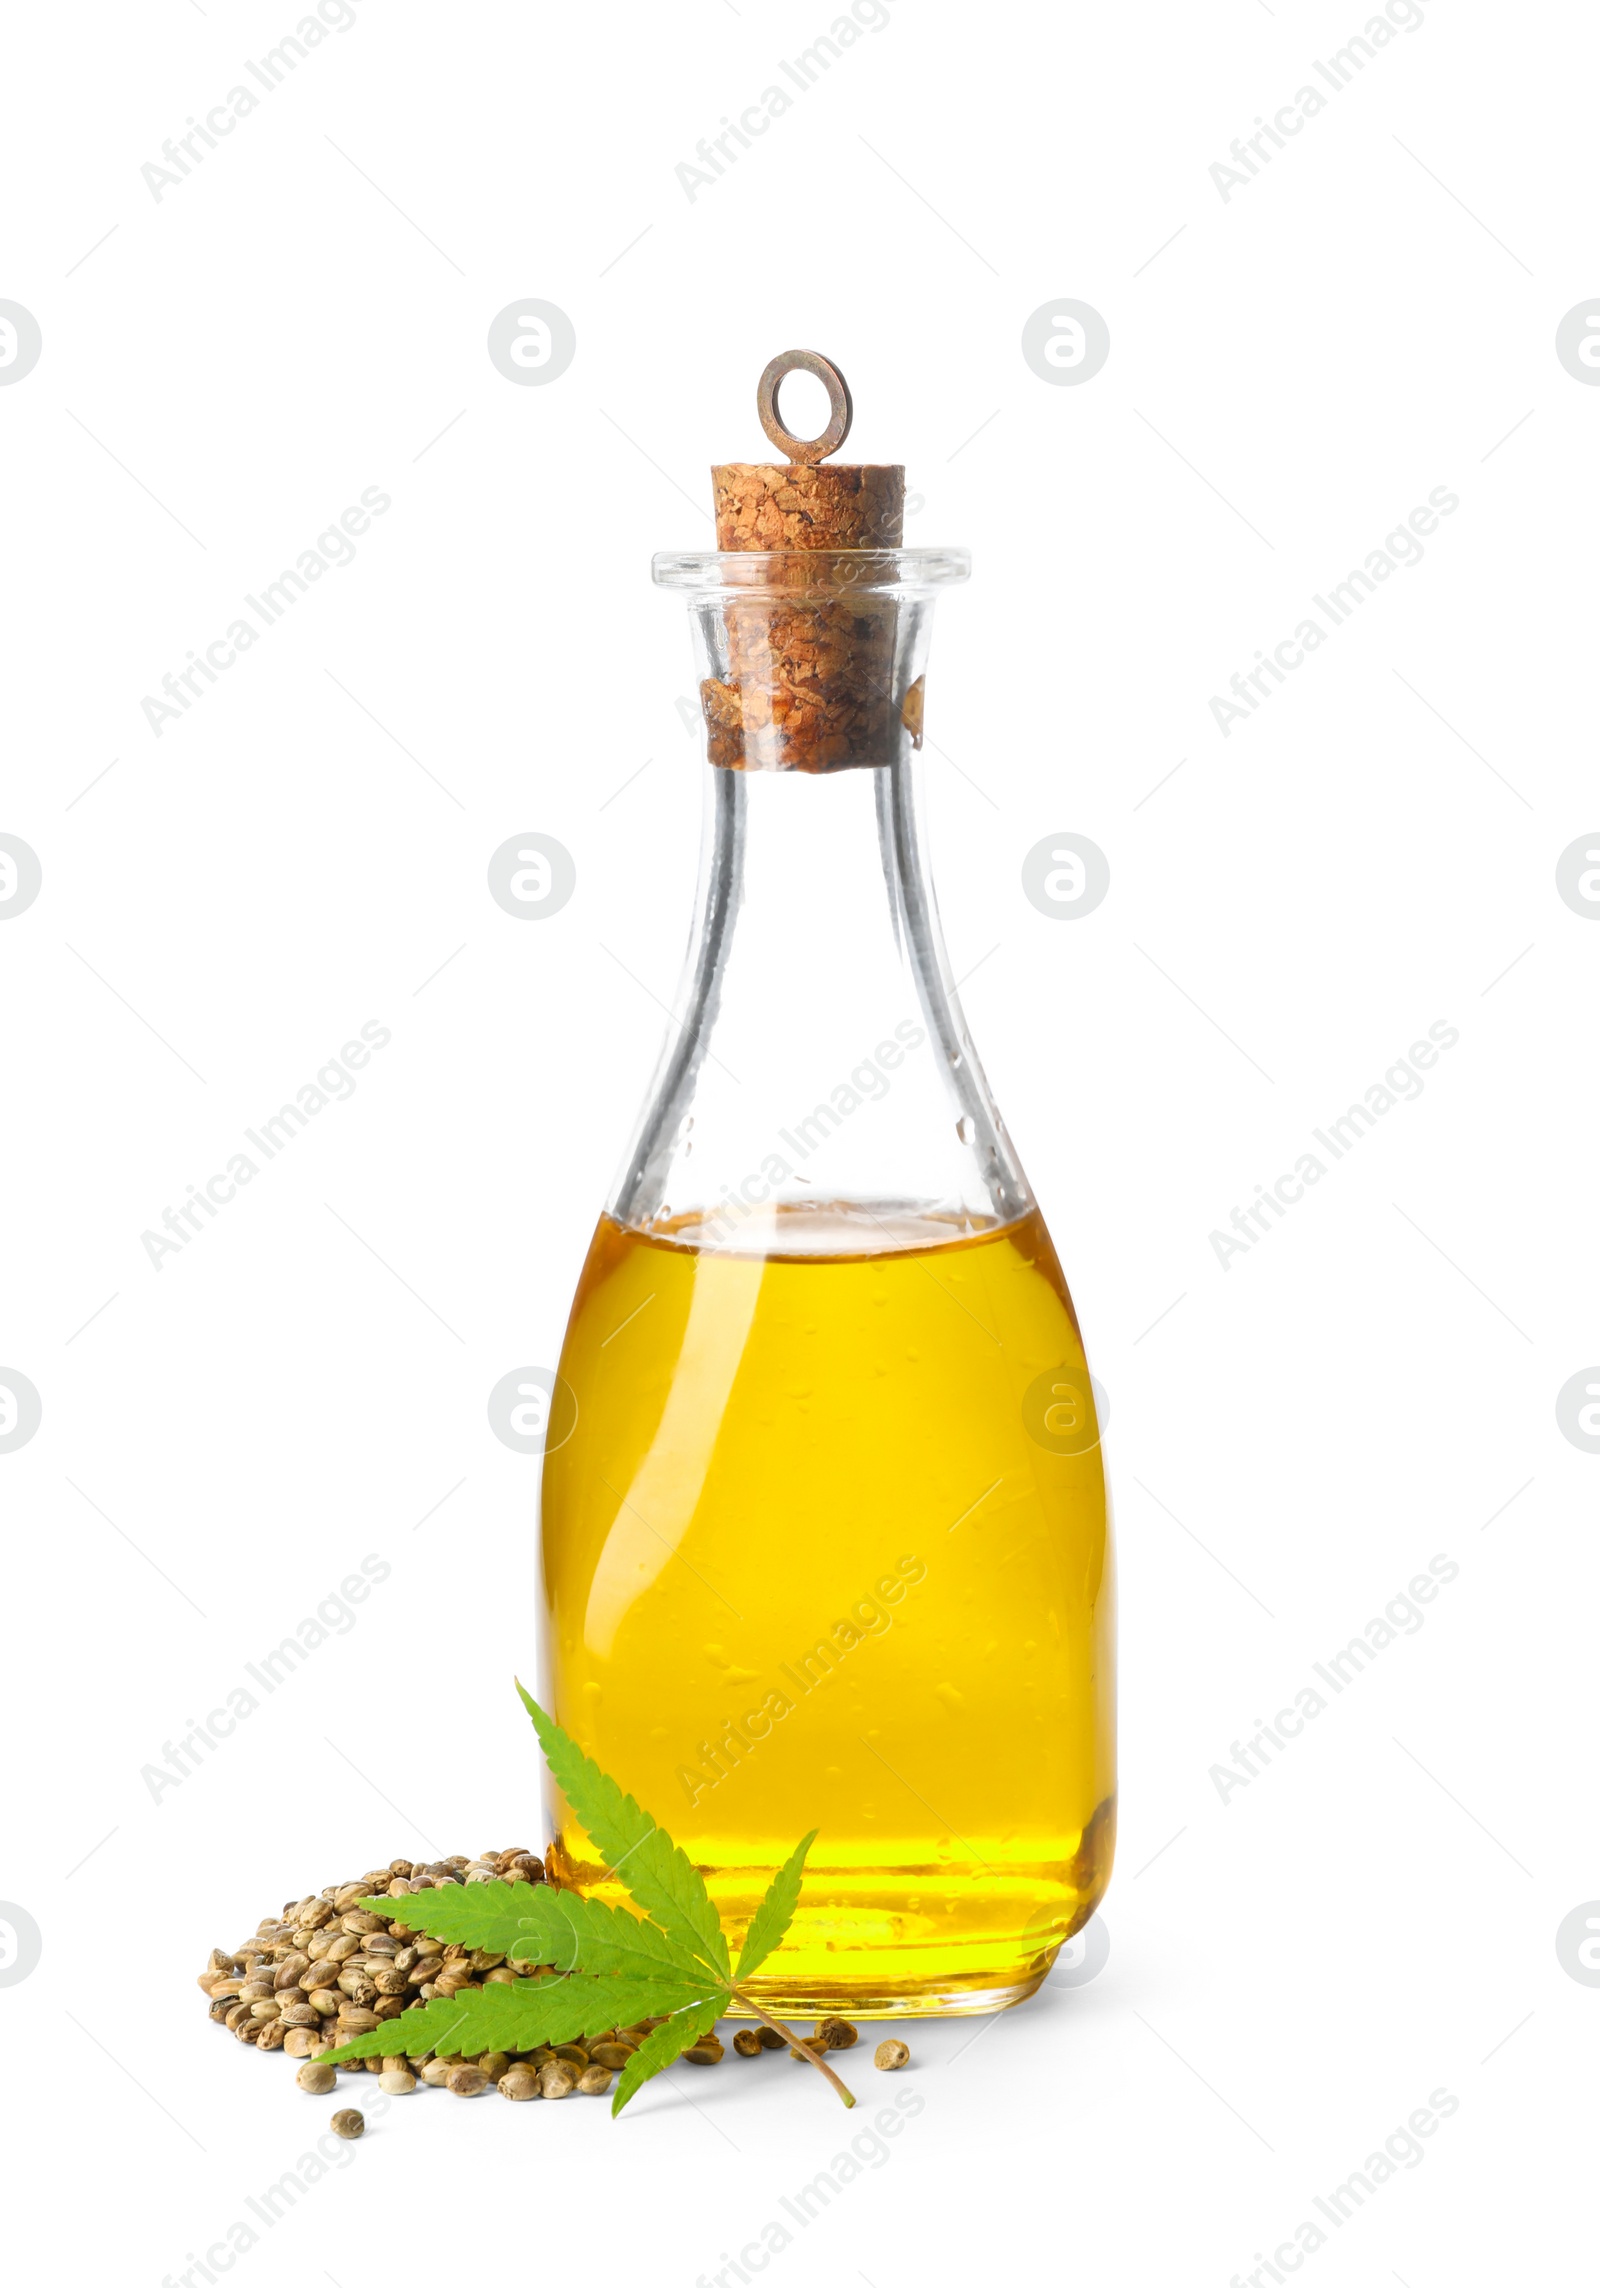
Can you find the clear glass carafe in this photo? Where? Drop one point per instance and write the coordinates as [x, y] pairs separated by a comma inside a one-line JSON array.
[[827, 1546]]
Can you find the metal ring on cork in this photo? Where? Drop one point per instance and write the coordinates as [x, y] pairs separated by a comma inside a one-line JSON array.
[[840, 410], [798, 502]]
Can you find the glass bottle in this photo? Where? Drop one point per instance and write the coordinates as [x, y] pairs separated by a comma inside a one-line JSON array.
[[827, 1546]]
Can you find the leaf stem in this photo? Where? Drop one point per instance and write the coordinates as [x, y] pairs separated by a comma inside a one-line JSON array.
[[740, 1995]]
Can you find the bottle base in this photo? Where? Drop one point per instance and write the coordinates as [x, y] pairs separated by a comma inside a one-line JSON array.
[[901, 1939], [831, 1998]]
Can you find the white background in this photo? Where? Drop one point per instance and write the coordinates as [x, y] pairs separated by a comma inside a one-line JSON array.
[[1292, 370]]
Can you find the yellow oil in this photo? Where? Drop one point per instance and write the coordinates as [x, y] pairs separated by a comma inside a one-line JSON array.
[[827, 1547]]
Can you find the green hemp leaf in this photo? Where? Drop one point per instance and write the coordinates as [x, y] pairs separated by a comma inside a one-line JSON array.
[[601, 1966]]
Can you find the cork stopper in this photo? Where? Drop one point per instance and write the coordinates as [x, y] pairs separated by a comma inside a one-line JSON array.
[[803, 503], [810, 665], [846, 506]]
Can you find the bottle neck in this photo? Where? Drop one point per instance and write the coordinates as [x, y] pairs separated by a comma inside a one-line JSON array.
[[818, 1092]]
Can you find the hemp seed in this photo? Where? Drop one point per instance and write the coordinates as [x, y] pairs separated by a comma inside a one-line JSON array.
[[327, 1968], [890, 2056], [836, 2034], [347, 2122]]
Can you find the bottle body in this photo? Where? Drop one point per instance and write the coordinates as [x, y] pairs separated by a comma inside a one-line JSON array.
[[809, 1568], [827, 1545]]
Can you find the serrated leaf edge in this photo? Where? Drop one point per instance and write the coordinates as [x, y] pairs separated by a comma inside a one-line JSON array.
[[416, 2031], [664, 2044], [554, 1934], [790, 1872], [709, 1946]]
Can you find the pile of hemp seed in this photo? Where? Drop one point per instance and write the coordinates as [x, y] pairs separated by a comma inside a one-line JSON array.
[[326, 1969]]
